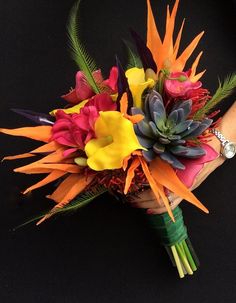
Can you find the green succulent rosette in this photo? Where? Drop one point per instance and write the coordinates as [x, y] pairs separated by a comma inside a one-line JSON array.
[[165, 134]]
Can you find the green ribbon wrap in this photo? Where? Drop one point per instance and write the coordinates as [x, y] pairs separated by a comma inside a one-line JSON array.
[[168, 231]]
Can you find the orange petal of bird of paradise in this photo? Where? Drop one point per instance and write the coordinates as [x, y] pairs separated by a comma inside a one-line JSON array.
[[39, 133], [124, 107], [164, 53], [130, 174], [72, 186], [164, 174], [46, 148], [156, 187], [54, 175]]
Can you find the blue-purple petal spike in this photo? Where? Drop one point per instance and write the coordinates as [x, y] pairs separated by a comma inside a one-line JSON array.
[[38, 118]]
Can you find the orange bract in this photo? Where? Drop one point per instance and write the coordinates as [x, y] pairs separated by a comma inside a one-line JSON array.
[[55, 164], [165, 52]]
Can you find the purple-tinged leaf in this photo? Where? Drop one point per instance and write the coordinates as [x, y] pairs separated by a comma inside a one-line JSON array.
[[169, 158], [123, 85], [182, 126], [205, 124], [144, 52], [38, 118], [188, 152], [149, 155]]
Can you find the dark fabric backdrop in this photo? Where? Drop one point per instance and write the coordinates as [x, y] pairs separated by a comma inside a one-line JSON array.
[[105, 252]]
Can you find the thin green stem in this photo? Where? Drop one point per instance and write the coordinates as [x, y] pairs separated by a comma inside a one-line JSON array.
[[192, 252], [183, 258], [177, 261], [189, 256], [170, 255]]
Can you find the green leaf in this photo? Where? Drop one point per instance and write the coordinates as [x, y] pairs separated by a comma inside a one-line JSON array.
[[224, 90], [133, 58], [82, 200], [79, 54]]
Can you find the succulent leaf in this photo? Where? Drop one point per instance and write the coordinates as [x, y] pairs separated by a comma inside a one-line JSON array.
[[158, 148], [193, 126], [181, 115], [145, 142], [168, 157], [164, 140], [181, 127], [172, 119], [149, 155], [144, 129], [201, 128], [190, 152]]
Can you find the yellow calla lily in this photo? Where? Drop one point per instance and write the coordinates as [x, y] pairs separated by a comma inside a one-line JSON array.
[[71, 110], [138, 83], [76, 108], [115, 140]]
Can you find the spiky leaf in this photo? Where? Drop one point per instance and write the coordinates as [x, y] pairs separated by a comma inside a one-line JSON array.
[[82, 200], [144, 52], [38, 118], [133, 58], [85, 63], [224, 90]]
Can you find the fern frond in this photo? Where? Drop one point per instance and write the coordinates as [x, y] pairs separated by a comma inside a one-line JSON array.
[[82, 200], [79, 54], [133, 58], [223, 91]]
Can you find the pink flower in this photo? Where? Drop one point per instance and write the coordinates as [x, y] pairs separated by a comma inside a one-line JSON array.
[[84, 91], [194, 166], [179, 85], [75, 130]]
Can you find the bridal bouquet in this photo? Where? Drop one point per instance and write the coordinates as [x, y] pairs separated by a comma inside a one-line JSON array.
[[146, 126]]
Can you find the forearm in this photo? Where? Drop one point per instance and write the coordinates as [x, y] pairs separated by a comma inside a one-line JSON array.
[[228, 124], [227, 127]]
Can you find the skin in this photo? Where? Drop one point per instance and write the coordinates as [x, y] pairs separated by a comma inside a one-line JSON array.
[[227, 127]]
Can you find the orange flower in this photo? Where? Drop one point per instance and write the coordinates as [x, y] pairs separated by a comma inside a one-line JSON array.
[[54, 164], [165, 53]]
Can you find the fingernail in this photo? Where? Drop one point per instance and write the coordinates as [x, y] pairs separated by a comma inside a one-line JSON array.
[[150, 211]]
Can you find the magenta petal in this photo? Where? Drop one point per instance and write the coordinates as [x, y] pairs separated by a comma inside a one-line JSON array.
[[69, 151], [89, 136], [82, 88], [177, 88], [193, 167], [102, 102], [98, 76], [71, 97], [65, 140], [112, 80]]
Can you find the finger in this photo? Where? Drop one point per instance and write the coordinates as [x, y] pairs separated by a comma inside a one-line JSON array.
[[146, 204], [161, 210]]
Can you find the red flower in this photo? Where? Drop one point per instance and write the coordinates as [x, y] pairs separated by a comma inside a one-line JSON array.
[[84, 91], [102, 102]]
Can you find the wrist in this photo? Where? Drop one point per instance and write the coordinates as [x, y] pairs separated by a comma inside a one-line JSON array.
[[227, 124], [227, 147]]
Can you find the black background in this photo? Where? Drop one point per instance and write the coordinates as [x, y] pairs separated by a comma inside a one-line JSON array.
[[105, 252]]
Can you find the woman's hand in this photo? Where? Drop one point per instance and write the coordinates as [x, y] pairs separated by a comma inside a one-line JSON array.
[[227, 126]]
